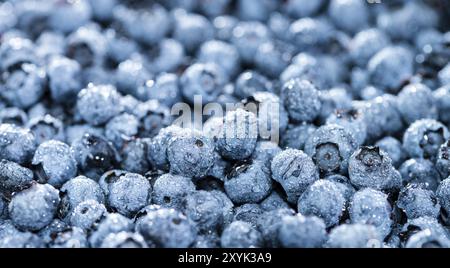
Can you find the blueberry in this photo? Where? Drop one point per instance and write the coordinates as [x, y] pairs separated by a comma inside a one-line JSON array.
[[46, 128], [227, 207], [97, 104], [167, 228], [344, 185], [255, 9], [382, 115], [238, 135], [94, 155], [247, 37], [273, 202], [366, 44], [51, 231], [170, 190], [250, 82], [308, 67], [444, 75], [75, 192], [279, 24], [121, 129], [113, 223], [248, 182], [428, 37], [420, 171], [204, 209], [75, 132], [125, 192], [124, 240], [393, 148], [14, 178], [155, 18], [73, 237], [350, 16], [295, 136], [213, 9], [209, 240], [301, 100], [165, 88], [391, 67], [414, 226], [152, 117], [34, 208], [167, 56], [55, 163], [130, 75], [355, 236], [13, 116], [241, 235], [309, 34], [323, 199], [17, 144], [371, 167], [369, 206], [337, 98], [22, 240], [87, 46], [119, 47], [205, 80], [403, 22], [68, 16], [423, 138], [272, 117], [16, 51], [23, 84], [330, 147], [223, 27], [134, 156], [248, 213], [441, 96], [415, 102], [427, 239], [418, 202], [87, 214], [442, 194], [157, 149], [269, 223], [190, 155], [302, 232], [102, 10], [192, 30], [303, 8], [295, 171], [443, 160], [265, 151], [352, 120], [273, 57], [223, 54]]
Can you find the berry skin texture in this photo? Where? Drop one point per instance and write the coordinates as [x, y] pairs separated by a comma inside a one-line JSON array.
[[205, 80], [124, 240], [372, 167], [111, 224], [354, 236], [247, 36], [64, 83], [421, 171], [443, 160], [443, 194], [190, 155], [393, 148], [223, 54], [416, 102], [390, 67], [76, 191], [238, 135], [248, 182], [125, 192], [349, 15], [369, 206], [295, 136], [302, 232], [240, 234], [87, 214], [13, 177], [122, 129], [418, 202], [424, 137], [323, 199], [442, 97], [169, 190], [157, 148], [427, 239], [301, 99], [55, 163], [17, 144], [366, 44], [204, 209], [97, 104], [248, 213], [330, 148], [34, 208], [167, 228], [295, 171], [352, 120], [269, 223]]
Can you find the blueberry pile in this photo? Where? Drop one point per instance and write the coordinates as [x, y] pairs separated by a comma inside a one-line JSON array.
[[91, 154]]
